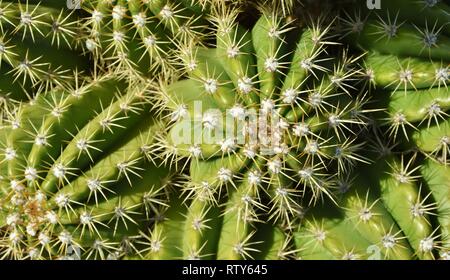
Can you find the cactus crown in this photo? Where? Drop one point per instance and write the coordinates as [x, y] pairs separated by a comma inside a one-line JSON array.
[[268, 108]]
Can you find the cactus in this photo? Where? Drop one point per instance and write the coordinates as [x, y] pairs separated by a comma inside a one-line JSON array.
[[387, 212], [138, 37], [437, 180], [39, 50], [210, 137], [304, 120], [78, 174], [284, 201], [399, 210], [407, 67], [394, 208]]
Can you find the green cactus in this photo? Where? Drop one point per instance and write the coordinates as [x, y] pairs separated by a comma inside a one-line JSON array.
[[210, 137], [78, 173], [245, 170], [407, 64], [406, 70], [39, 49], [388, 212], [394, 208], [138, 37], [436, 177], [267, 195]]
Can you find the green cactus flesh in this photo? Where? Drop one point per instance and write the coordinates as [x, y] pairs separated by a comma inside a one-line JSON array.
[[39, 49], [78, 173], [197, 133], [407, 64], [139, 37], [314, 117]]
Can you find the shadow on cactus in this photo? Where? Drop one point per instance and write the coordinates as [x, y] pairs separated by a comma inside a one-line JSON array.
[[399, 210], [395, 208], [39, 49], [407, 66]]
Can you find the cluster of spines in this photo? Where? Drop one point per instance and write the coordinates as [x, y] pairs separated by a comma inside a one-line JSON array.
[[316, 133], [28, 29], [397, 211], [78, 174], [139, 37], [407, 66]]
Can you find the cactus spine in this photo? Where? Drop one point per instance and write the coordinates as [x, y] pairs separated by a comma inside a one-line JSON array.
[[78, 173], [204, 135], [301, 96], [39, 49], [407, 62], [137, 36]]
